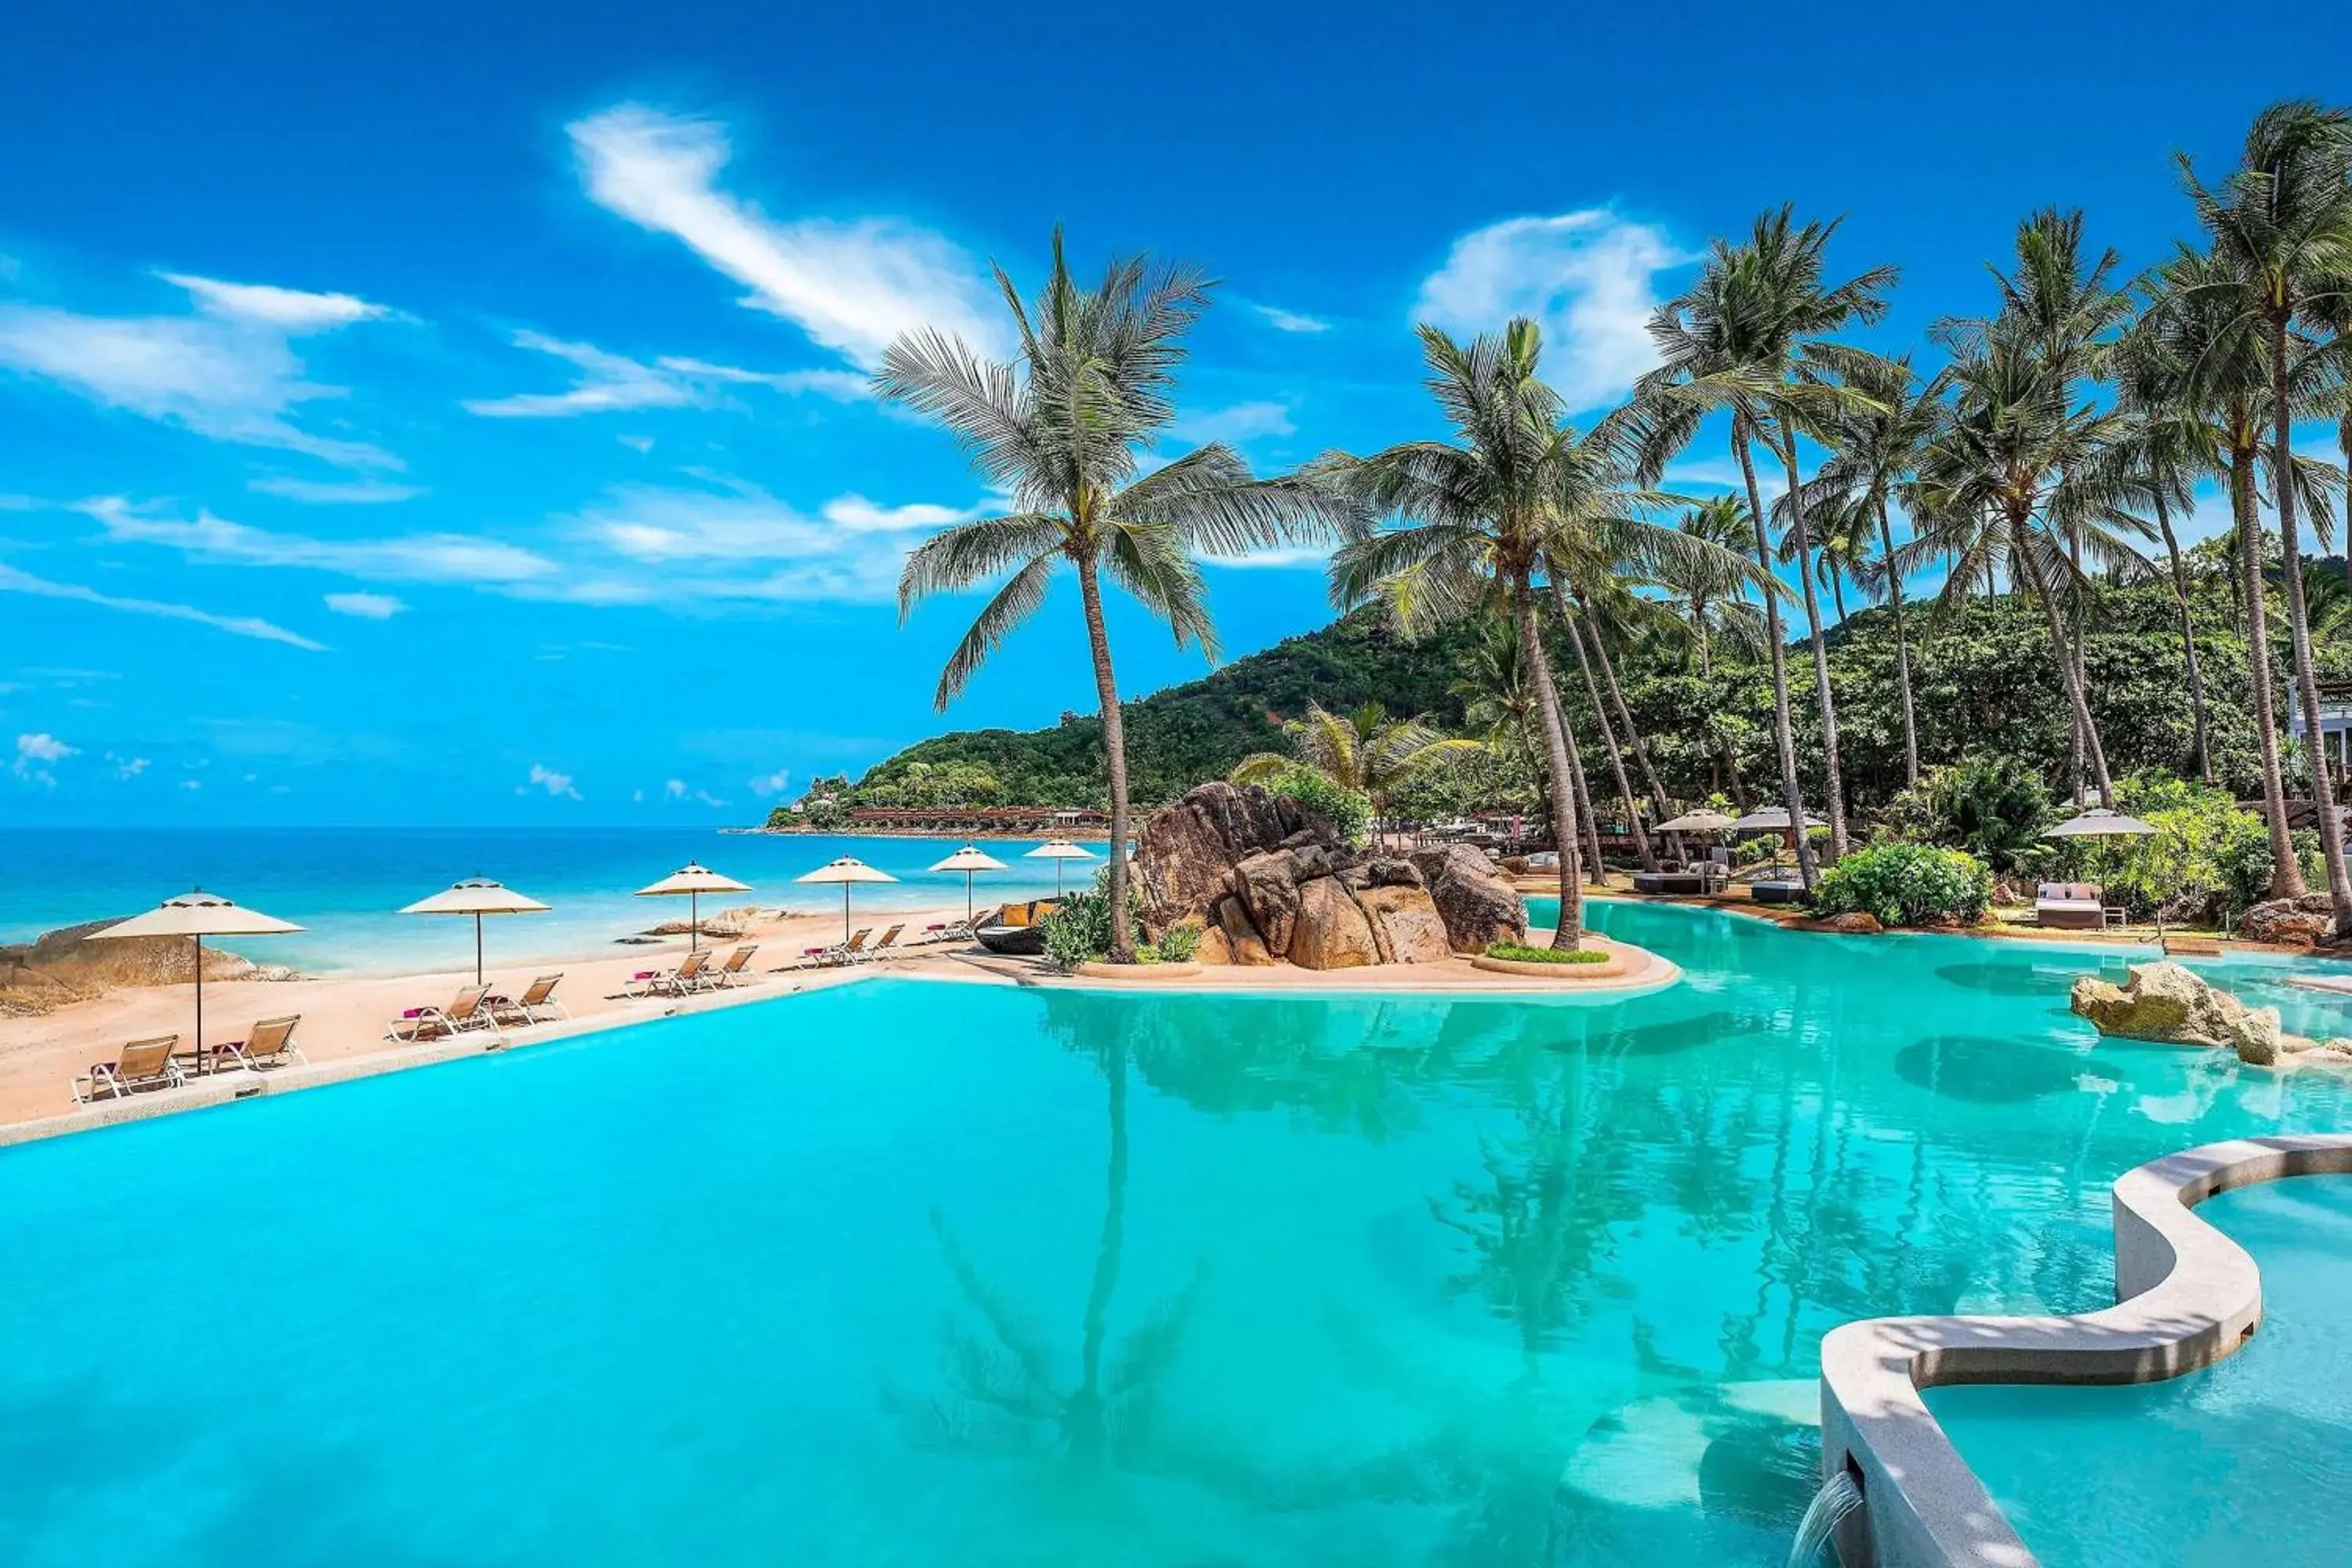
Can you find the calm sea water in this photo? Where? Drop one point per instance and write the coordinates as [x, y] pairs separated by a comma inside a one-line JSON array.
[[344, 885], [910, 1273]]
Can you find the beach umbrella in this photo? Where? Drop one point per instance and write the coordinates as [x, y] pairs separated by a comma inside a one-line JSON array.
[[1058, 851], [967, 860], [477, 896], [1700, 821], [848, 871], [1771, 819], [198, 914], [2098, 822], [693, 881]]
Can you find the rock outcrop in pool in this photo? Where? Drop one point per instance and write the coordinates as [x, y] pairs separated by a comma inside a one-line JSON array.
[[1271, 882], [2170, 1004]]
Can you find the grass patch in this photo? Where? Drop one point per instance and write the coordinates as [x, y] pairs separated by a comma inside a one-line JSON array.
[[1519, 952]]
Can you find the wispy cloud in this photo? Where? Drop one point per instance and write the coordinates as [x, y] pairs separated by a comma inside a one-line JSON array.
[[350, 492], [610, 382], [35, 753], [1282, 558], [12, 581], [1238, 422], [851, 286], [227, 372], [772, 783], [1284, 320], [415, 558], [128, 767], [366, 607], [1589, 276], [546, 778]]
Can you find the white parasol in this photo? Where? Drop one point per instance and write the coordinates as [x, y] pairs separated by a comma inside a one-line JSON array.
[[198, 914], [477, 896], [847, 871], [968, 860], [692, 880], [1058, 851]]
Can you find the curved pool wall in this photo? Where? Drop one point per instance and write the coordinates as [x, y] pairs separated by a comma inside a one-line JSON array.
[[902, 1272], [2187, 1296]]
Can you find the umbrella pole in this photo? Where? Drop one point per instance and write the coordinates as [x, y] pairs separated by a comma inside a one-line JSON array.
[[844, 911], [200, 1002], [967, 895], [693, 922], [477, 949]]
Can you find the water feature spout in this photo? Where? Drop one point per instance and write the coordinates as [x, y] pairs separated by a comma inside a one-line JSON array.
[[1831, 1506]]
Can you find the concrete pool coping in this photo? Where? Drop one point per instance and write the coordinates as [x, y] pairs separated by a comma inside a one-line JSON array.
[[2187, 1297]]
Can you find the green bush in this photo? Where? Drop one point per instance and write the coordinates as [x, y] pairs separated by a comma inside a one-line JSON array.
[[1519, 952], [1180, 944], [1907, 885], [2206, 858], [1078, 931], [1348, 811], [1995, 807]]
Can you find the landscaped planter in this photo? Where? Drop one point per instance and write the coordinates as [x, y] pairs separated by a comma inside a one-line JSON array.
[[1614, 967], [1140, 972]]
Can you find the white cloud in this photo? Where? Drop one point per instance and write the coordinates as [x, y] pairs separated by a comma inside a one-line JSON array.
[[12, 581], [707, 798], [287, 309], [1281, 558], [1587, 276], [1284, 320], [675, 789], [226, 373], [35, 752], [771, 783], [1241, 422], [353, 492], [857, 513], [192, 784], [851, 286], [416, 557], [639, 444], [128, 767], [366, 607], [611, 382], [547, 778]]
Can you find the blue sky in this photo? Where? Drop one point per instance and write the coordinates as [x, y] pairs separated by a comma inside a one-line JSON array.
[[457, 414]]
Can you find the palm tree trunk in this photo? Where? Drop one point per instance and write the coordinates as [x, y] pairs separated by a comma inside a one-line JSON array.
[[2286, 876], [1597, 872], [2188, 641], [1616, 753], [1633, 733], [1114, 726], [1790, 795], [1833, 781], [2298, 631], [1571, 933], [1901, 650], [1086, 1424], [2024, 566]]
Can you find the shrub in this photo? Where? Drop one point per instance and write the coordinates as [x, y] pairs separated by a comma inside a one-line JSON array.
[[1350, 812], [1907, 885], [1078, 931], [1994, 807], [1519, 952], [1180, 944], [2206, 858]]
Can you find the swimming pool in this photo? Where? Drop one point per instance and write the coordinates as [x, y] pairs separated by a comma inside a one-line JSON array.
[[912, 1273], [2197, 1470]]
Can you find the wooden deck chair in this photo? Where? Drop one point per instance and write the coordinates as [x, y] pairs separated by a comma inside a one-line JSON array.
[[143, 1063], [270, 1043]]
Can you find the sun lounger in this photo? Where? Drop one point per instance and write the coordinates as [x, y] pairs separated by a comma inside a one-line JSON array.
[[693, 974], [535, 1005], [889, 943], [737, 970], [1789, 891], [461, 1016], [272, 1043], [143, 1063], [839, 952], [2070, 906]]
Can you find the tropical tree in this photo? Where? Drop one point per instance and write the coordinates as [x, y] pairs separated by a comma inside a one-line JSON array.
[[2164, 449], [1752, 336], [2281, 230], [1703, 591], [1366, 750], [1471, 518], [1061, 429]]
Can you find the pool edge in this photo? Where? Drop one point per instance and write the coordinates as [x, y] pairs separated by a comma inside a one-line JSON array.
[[2187, 1297]]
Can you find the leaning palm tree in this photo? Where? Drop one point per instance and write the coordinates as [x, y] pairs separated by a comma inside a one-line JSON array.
[[1366, 750], [2281, 227], [1752, 335], [1060, 429]]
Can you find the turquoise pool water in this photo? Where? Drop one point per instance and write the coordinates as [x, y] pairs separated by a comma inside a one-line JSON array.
[[909, 1273], [2256, 1451]]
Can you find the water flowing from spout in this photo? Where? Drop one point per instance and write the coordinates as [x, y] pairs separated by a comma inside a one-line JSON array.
[[1831, 1506]]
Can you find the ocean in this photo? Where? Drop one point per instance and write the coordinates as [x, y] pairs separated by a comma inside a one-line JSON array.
[[345, 885]]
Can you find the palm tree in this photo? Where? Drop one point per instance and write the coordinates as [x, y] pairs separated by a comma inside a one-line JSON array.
[[2012, 482], [1366, 752], [2281, 227], [1475, 517], [1874, 449], [1058, 429], [1499, 703], [1752, 335], [1704, 593]]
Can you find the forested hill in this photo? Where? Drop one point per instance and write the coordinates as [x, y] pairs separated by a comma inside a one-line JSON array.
[[1178, 737], [1983, 673]]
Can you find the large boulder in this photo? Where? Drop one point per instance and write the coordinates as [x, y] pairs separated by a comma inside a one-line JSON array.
[[1242, 942], [1406, 928], [2289, 922], [1185, 853], [2169, 1004], [1215, 946], [1267, 885], [1479, 907], [1331, 932]]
